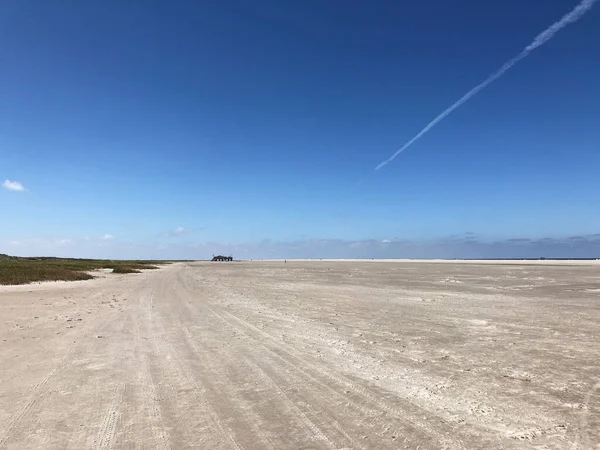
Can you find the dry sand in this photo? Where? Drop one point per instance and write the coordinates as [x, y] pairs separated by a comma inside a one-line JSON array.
[[305, 355]]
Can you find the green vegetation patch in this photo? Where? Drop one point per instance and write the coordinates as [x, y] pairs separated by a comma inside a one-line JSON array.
[[17, 270], [125, 269]]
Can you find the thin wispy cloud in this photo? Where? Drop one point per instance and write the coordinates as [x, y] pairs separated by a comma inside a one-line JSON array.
[[181, 231], [107, 237], [13, 186], [178, 231], [540, 40]]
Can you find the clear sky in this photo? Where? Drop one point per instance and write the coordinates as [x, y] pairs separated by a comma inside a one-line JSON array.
[[181, 128]]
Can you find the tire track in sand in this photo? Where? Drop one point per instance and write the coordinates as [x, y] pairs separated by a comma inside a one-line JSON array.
[[109, 420], [301, 365], [349, 394], [308, 423], [319, 436], [245, 406], [166, 350], [149, 389], [40, 392], [266, 380]]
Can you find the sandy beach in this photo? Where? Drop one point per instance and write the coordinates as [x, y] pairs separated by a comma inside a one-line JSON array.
[[306, 355]]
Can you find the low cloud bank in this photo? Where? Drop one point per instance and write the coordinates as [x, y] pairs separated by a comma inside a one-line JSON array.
[[462, 247]]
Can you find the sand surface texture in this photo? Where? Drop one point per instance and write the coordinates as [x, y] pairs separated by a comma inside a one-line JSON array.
[[305, 355]]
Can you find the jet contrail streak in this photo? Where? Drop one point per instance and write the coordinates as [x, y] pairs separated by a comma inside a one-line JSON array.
[[540, 40]]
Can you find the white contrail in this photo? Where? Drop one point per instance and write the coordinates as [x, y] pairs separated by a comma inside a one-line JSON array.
[[541, 39]]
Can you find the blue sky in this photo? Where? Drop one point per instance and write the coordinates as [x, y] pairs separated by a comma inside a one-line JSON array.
[[172, 129]]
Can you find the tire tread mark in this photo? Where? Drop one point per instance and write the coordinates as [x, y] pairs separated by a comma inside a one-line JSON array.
[[308, 423], [357, 390], [266, 441], [109, 421], [37, 396], [161, 438], [267, 380], [222, 427]]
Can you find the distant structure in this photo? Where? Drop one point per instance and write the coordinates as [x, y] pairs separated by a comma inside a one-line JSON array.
[[222, 258]]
